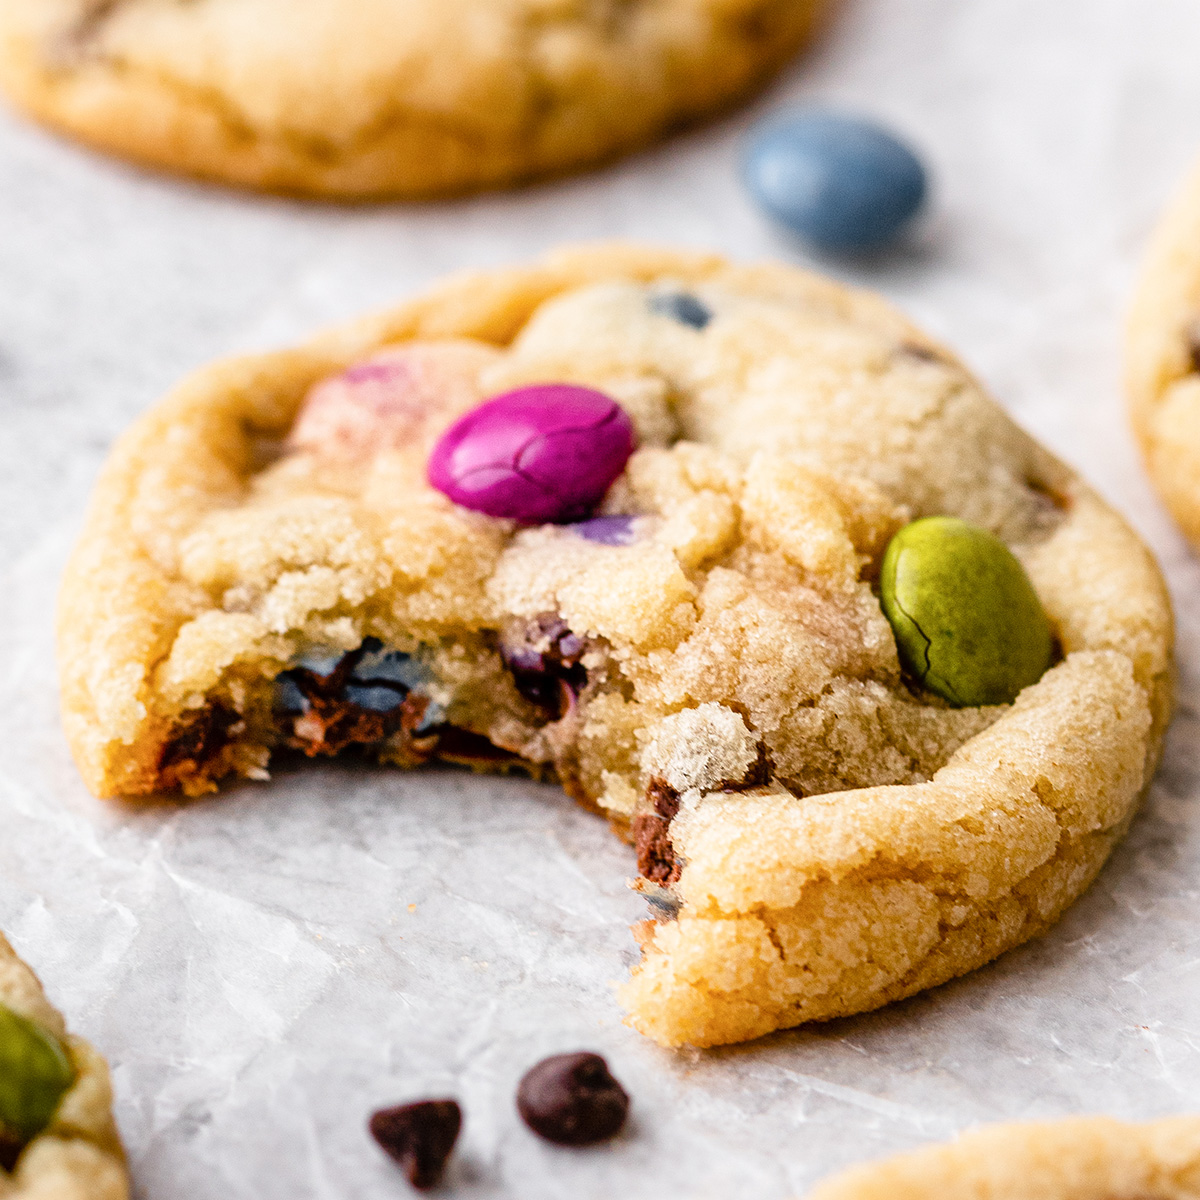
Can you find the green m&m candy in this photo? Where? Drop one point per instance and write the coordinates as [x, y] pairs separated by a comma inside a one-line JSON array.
[[968, 624], [35, 1074]]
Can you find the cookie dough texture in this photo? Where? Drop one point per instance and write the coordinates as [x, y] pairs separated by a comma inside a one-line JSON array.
[[839, 840], [1081, 1158], [376, 98], [79, 1156], [1163, 359]]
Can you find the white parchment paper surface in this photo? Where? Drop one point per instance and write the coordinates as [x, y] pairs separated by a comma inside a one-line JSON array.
[[263, 968]]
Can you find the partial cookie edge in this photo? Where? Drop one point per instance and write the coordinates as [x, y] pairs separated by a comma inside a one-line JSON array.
[[1075, 1158], [79, 1156], [1162, 378], [405, 154]]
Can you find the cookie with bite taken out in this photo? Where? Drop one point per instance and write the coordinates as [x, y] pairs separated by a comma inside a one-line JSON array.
[[656, 526]]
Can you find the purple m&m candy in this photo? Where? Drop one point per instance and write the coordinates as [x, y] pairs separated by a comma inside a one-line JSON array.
[[543, 453]]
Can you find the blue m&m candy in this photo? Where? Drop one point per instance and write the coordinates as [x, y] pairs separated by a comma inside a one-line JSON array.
[[841, 182]]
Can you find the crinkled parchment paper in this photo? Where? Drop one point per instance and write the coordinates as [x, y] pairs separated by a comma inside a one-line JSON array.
[[263, 968]]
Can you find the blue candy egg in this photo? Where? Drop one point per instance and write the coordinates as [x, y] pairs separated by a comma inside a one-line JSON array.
[[378, 664], [682, 307], [375, 697], [289, 698], [841, 182]]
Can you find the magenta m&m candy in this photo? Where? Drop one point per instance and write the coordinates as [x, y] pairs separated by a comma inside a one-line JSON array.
[[545, 453]]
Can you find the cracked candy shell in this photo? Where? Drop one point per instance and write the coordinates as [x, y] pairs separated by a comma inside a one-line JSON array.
[[543, 453], [968, 624]]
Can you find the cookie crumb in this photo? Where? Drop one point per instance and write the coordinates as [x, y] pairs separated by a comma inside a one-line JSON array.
[[707, 747]]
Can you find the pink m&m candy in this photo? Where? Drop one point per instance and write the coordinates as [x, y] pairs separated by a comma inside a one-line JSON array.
[[543, 453], [391, 400]]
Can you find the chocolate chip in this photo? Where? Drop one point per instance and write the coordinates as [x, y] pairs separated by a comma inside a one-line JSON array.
[[655, 854], [663, 797], [544, 657], [334, 724], [197, 744], [10, 1149], [334, 700], [419, 1137], [476, 751], [652, 837], [573, 1100]]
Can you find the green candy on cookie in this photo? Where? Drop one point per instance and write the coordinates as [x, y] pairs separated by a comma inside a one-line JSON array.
[[968, 624]]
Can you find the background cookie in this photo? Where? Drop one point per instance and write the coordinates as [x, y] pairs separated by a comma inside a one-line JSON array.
[[376, 98], [1163, 359], [823, 841], [1082, 1158], [78, 1156]]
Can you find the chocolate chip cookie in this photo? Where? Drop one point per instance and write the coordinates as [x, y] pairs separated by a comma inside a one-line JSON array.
[[424, 537], [376, 98], [57, 1137]]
